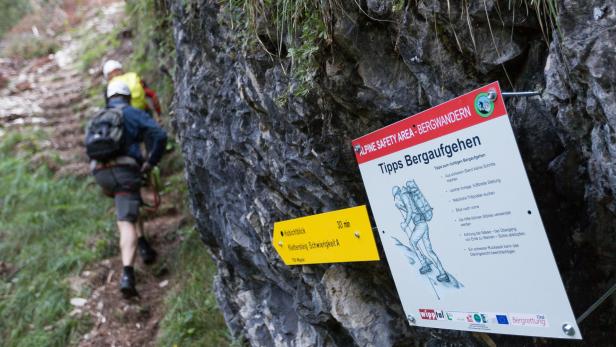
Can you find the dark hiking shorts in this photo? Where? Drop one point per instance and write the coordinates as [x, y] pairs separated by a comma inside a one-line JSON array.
[[124, 183]]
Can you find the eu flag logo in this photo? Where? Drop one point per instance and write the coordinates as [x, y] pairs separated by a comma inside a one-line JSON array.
[[502, 319]]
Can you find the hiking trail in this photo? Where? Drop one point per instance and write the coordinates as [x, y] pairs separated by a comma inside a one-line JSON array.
[[50, 93]]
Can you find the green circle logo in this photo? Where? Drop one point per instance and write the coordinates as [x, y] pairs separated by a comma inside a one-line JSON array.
[[484, 106]]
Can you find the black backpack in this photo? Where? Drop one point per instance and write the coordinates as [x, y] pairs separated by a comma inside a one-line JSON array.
[[105, 135]]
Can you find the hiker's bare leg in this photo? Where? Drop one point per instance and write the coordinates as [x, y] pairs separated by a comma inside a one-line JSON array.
[[139, 226], [128, 242]]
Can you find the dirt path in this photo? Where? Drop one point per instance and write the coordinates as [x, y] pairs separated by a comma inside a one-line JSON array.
[[50, 93], [119, 322]]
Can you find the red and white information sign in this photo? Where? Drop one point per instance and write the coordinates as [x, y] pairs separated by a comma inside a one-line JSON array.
[[459, 223]]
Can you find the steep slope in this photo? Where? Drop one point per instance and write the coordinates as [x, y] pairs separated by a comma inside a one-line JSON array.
[[50, 92], [257, 153], [55, 95]]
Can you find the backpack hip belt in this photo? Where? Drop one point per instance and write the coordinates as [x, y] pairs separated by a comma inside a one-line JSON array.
[[119, 161]]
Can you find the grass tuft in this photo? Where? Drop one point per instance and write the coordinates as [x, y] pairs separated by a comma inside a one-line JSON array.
[[299, 29], [153, 54], [192, 316], [29, 46], [46, 226], [12, 11], [96, 46]]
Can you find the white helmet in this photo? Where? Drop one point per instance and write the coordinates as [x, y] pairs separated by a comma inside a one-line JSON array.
[[109, 66], [117, 88]]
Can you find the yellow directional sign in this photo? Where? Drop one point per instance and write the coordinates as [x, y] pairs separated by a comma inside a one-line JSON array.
[[331, 237]]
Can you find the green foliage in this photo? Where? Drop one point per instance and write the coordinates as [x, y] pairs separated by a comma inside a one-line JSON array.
[[398, 6], [12, 11], [96, 46], [547, 14], [22, 143], [29, 46], [299, 25], [153, 46], [46, 236], [192, 316], [303, 57]]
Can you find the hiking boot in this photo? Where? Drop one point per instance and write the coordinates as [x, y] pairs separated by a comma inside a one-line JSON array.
[[442, 277], [127, 283], [425, 269], [146, 252]]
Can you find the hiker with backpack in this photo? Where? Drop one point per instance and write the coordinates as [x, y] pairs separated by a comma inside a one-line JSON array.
[[113, 139], [416, 209], [142, 97]]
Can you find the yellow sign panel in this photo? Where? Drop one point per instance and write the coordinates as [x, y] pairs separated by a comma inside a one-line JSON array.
[[331, 237]]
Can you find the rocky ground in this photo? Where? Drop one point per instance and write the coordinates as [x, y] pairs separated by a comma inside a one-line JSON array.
[[50, 93]]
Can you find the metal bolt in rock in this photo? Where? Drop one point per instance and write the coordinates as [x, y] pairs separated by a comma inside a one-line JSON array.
[[411, 319], [520, 94], [280, 243], [568, 329], [357, 234], [357, 148]]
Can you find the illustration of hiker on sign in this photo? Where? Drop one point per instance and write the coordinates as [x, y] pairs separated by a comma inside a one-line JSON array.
[[416, 213]]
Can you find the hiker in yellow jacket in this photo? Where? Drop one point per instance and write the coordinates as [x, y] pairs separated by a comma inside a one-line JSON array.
[[142, 97]]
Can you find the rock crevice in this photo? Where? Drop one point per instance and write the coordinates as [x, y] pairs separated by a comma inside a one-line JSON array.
[[252, 160]]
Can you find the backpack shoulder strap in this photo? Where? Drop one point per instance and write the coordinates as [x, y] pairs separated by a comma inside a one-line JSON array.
[[116, 107]]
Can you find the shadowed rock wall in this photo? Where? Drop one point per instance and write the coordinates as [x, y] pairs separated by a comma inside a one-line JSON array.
[[251, 161]]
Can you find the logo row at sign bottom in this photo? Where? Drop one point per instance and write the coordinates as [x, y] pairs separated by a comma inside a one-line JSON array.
[[515, 319]]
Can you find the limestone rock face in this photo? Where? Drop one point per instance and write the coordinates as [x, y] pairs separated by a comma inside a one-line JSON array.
[[255, 153]]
